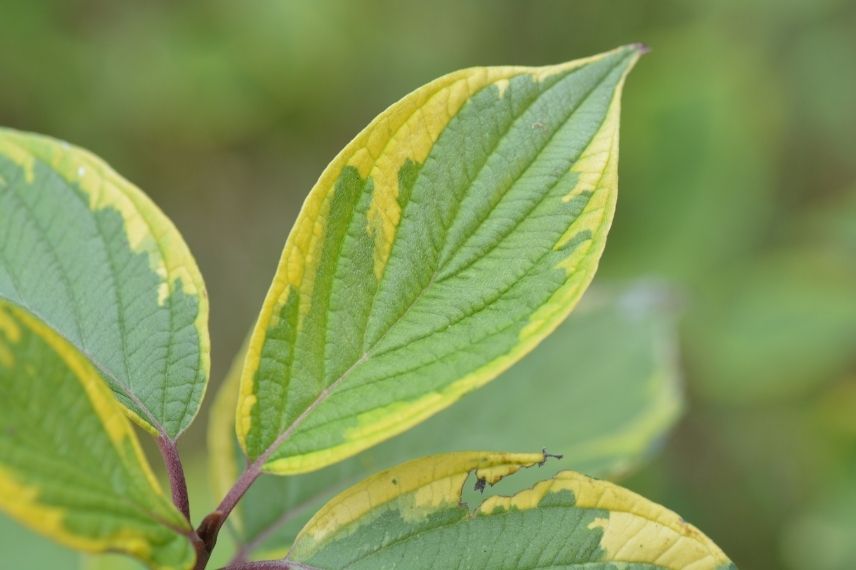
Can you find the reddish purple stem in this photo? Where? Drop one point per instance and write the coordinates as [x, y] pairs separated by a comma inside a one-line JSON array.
[[269, 565], [174, 469]]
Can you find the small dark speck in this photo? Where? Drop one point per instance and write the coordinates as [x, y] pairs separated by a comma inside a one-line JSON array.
[[547, 455], [395, 481], [480, 483]]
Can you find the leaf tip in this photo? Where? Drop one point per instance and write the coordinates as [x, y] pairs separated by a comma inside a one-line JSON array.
[[640, 48]]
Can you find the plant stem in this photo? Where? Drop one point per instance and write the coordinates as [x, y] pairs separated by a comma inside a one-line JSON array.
[[211, 525], [270, 565], [202, 552], [177, 482], [247, 478], [244, 552]]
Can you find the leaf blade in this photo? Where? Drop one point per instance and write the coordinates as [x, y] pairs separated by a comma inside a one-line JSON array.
[[70, 464], [413, 512], [381, 275], [93, 257]]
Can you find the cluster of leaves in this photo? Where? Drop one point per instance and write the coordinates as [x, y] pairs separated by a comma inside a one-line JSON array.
[[445, 242]]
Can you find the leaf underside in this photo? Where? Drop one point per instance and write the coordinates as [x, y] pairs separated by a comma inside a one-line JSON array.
[[439, 247], [413, 516], [70, 464], [93, 257]]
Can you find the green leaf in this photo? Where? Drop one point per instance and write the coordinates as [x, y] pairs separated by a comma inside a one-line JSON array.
[[440, 246], [414, 513], [95, 259], [70, 464], [602, 389]]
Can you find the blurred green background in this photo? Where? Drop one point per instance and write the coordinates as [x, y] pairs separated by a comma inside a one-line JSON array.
[[738, 185]]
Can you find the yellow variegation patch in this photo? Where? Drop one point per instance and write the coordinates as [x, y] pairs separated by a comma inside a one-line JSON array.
[[634, 528]]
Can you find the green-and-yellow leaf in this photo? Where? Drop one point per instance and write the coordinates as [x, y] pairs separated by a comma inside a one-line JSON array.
[[413, 516], [440, 246], [95, 259], [602, 390], [70, 464]]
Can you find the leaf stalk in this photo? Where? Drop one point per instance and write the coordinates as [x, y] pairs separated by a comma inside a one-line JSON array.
[[175, 471]]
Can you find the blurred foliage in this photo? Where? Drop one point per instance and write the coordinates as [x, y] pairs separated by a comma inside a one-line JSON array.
[[737, 184]]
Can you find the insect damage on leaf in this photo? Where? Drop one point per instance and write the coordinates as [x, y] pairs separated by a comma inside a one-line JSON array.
[[563, 521]]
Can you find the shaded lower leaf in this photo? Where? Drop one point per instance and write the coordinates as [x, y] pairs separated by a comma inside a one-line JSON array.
[[602, 390], [70, 464], [413, 516]]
